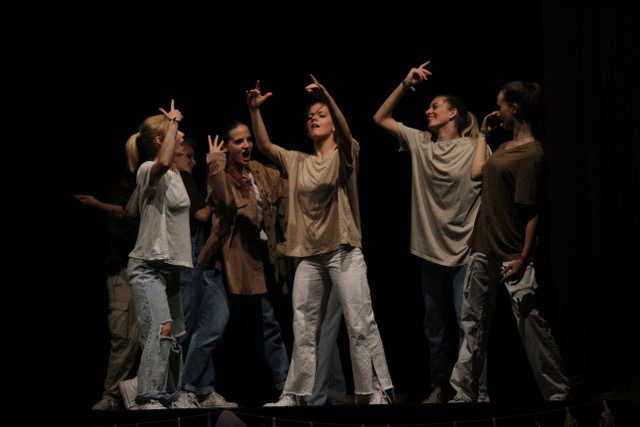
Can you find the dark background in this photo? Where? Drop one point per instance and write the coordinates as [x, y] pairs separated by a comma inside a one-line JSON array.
[[79, 79]]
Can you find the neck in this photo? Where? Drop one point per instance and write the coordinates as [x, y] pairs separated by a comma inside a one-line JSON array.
[[324, 146], [448, 132], [522, 133]]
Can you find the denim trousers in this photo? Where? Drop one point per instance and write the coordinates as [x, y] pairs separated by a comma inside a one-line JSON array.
[[206, 318], [346, 271], [123, 329], [481, 284], [275, 351], [206, 314], [263, 330], [155, 287], [442, 293], [329, 387]]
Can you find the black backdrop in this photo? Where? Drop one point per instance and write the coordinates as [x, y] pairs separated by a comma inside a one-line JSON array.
[[79, 79]]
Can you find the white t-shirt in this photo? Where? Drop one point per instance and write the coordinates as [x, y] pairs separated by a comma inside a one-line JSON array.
[[164, 233]]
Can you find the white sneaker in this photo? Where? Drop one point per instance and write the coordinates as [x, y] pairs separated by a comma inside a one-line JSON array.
[[215, 400], [285, 400], [152, 404], [129, 391], [105, 404], [435, 396], [185, 400], [483, 397], [458, 399], [558, 397], [379, 397]]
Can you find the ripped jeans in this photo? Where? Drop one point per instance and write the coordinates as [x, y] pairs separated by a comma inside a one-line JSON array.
[[155, 287]]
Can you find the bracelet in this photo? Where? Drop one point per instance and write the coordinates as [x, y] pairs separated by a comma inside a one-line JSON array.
[[522, 258], [408, 85], [173, 119], [483, 133]]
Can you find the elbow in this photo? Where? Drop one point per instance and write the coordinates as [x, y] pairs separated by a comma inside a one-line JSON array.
[[476, 175]]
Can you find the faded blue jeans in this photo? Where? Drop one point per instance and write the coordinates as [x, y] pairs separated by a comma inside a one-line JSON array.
[[442, 292], [206, 314], [346, 271], [155, 287]]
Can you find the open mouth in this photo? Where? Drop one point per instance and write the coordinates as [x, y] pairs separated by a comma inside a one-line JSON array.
[[246, 154]]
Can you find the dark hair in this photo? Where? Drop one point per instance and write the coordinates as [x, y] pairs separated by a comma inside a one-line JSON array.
[[530, 100], [235, 176]]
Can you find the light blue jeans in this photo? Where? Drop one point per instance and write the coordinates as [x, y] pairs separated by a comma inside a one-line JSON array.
[[481, 285], [442, 292], [206, 314], [155, 287], [329, 387], [346, 271]]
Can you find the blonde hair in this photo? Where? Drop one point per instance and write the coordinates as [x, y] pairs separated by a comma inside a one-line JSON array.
[[145, 139], [150, 129]]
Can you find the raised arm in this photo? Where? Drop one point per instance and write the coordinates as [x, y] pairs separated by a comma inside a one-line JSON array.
[[490, 123], [255, 99], [168, 147], [339, 121], [383, 117]]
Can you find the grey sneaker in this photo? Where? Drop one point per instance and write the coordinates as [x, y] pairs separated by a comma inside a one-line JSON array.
[[185, 400], [215, 400], [105, 404], [152, 404], [483, 397], [435, 396], [129, 391], [285, 400]]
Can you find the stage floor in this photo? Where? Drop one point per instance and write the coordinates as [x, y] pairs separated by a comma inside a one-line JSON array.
[[623, 409]]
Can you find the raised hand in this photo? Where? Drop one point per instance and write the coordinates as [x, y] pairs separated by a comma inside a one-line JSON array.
[[316, 89], [173, 113], [215, 146], [491, 122], [255, 98], [418, 74]]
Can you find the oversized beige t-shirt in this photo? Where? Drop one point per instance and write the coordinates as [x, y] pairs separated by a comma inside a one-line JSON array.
[[444, 199], [324, 213]]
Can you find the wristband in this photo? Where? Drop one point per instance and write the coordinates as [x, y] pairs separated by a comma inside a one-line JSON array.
[[483, 133], [408, 85], [173, 119], [522, 258]]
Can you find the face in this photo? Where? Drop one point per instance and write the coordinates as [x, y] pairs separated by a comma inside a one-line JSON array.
[[506, 111], [185, 158], [439, 113], [319, 122], [239, 145]]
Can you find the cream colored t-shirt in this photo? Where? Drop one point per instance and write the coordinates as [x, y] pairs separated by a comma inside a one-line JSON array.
[[444, 199], [324, 214]]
